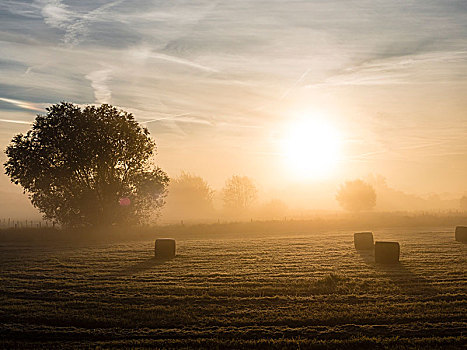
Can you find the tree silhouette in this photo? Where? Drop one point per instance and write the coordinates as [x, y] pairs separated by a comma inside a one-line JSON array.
[[239, 193], [189, 197], [356, 196], [88, 167]]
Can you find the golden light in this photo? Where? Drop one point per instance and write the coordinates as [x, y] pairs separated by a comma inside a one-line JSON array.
[[311, 148]]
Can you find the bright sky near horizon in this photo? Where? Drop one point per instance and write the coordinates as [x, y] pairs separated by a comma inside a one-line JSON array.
[[220, 83]]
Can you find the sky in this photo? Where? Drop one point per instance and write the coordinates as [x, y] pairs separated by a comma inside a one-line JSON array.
[[217, 83]]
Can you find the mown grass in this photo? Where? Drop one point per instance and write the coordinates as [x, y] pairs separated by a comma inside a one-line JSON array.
[[300, 290]]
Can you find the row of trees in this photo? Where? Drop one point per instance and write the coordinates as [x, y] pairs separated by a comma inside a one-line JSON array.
[[95, 167], [191, 195]]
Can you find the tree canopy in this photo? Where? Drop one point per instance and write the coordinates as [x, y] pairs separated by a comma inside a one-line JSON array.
[[356, 196], [190, 197], [239, 193], [88, 167]]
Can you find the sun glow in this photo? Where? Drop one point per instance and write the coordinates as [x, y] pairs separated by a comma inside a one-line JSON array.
[[311, 148]]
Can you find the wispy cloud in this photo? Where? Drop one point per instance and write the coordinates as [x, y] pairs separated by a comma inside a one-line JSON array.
[[295, 84], [22, 104], [20, 8], [229, 72], [15, 121], [398, 70], [75, 24], [56, 14], [180, 118], [100, 83], [144, 53], [182, 61]]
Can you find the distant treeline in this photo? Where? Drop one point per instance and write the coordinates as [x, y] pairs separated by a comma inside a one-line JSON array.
[[24, 223], [354, 222], [366, 221]]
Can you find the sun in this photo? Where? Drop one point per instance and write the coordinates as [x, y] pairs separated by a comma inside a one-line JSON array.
[[311, 148]]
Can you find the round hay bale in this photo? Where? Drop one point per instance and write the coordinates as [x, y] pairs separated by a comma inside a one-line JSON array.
[[363, 240], [164, 248], [461, 233], [387, 252]]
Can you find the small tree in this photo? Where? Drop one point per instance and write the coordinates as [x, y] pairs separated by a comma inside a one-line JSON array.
[[239, 193], [88, 167], [189, 197], [356, 196]]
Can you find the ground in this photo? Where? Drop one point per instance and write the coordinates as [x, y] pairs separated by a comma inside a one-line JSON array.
[[293, 290]]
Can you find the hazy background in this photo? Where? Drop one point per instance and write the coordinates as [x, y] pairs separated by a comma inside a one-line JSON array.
[[217, 83]]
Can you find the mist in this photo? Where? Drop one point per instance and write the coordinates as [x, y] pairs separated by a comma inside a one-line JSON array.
[[291, 201], [233, 174]]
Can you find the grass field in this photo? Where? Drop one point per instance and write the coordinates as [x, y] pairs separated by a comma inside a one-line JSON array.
[[295, 290]]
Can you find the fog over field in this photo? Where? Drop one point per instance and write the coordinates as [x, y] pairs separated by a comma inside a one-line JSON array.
[[220, 86], [233, 174]]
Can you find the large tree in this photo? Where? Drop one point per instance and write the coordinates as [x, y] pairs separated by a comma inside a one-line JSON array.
[[356, 196], [88, 167]]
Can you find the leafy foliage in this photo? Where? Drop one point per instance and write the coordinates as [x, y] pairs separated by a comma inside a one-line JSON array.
[[239, 193], [356, 196], [78, 164], [190, 196]]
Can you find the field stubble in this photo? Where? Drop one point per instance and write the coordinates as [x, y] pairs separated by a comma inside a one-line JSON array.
[[289, 291]]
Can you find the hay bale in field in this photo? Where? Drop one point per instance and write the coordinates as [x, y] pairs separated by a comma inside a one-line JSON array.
[[387, 252], [461, 233], [164, 248], [363, 240]]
